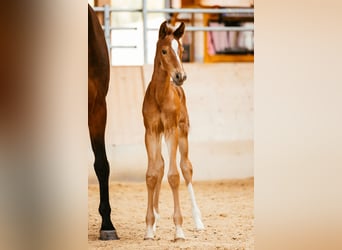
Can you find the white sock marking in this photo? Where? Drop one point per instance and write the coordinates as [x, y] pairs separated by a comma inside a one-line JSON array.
[[149, 233], [196, 213], [179, 233]]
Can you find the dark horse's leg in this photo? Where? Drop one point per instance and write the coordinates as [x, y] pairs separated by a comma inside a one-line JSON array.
[[97, 122], [98, 80]]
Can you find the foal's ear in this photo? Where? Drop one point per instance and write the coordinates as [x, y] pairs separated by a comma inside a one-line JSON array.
[[164, 30], [179, 32]]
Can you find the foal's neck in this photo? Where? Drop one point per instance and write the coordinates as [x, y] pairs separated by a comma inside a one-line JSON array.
[[160, 76], [160, 82]]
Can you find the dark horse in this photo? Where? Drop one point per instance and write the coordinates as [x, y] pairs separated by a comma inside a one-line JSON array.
[[98, 81]]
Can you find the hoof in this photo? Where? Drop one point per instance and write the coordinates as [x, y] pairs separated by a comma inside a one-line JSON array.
[[108, 235], [149, 235], [197, 219], [199, 226], [179, 239], [179, 235]]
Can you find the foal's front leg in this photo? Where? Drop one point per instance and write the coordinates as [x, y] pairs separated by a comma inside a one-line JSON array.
[[153, 147], [171, 138]]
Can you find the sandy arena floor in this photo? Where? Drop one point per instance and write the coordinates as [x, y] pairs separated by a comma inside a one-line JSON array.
[[226, 206]]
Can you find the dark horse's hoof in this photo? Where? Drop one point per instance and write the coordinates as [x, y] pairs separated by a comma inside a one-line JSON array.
[[108, 235]]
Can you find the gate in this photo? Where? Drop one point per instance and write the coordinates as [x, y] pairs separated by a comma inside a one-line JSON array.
[[107, 10]]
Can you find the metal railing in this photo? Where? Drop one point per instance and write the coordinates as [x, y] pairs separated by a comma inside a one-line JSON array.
[[144, 11]]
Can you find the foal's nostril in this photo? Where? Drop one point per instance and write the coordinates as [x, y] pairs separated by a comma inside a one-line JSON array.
[[184, 77], [178, 76]]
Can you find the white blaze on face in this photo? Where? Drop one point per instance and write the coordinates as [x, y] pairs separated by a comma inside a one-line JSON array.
[[174, 45]]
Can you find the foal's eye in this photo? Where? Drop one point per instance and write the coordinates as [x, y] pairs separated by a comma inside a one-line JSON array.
[[163, 51]]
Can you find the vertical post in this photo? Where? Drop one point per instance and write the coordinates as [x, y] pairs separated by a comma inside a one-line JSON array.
[[107, 26], [144, 16], [167, 4], [104, 18], [101, 3]]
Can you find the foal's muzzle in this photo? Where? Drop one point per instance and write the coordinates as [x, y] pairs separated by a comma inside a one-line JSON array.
[[178, 78]]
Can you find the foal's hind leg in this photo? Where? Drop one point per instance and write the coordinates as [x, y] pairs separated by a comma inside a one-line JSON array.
[[186, 168], [97, 123], [160, 163]]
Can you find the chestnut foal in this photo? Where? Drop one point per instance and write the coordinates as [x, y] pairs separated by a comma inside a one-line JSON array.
[[165, 112]]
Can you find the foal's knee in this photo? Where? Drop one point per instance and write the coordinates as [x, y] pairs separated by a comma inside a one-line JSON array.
[[173, 179], [151, 179]]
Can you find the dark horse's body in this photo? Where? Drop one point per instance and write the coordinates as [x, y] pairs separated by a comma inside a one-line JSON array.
[[98, 80]]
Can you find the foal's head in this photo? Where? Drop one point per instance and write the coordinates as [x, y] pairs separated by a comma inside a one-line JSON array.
[[169, 52]]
